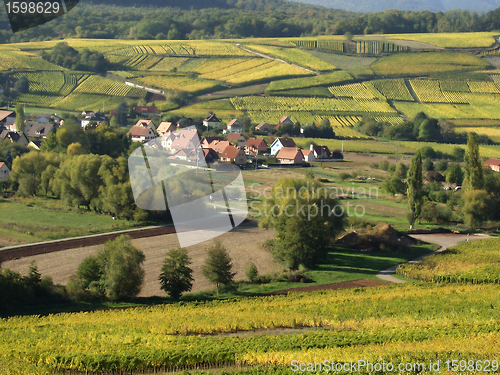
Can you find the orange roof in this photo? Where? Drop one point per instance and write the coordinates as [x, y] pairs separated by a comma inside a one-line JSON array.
[[289, 153], [230, 152], [233, 137], [232, 122], [261, 125], [143, 123], [138, 131], [256, 142], [180, 143], [306, 152], [285, 118], [142, 109], [219, 146], [165, 127], [492, 161]]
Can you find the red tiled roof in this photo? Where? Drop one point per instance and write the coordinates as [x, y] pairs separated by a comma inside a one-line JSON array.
[[306, 152], [232, 122], [288, 153], [179, 143], [138, 131], [492, 161], [256, 142], [141, 109], [210, 139], [261, 125], [219, 146], [233, 137], [143, 123], [230, 152], [284, 118]]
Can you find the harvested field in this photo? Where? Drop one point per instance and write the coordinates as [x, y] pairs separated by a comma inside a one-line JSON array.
[[243, 244]]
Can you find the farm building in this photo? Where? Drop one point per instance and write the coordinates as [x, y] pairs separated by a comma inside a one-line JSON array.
[[493, 164], [211, 121], [255, 145], [279, 143], [234, 155], [236, 139], [290, 155], [4, 171], [141, 132]]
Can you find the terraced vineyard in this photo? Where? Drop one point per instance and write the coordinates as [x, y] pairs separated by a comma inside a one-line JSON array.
[[299, 83], [353, 90], [104, 86], [176, 82], [428, 90]]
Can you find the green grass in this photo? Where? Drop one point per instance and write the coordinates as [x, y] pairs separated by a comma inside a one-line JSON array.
[[413, 64], [299, 83], [35, 219], [451, 40], [343, 62], [475, 261]]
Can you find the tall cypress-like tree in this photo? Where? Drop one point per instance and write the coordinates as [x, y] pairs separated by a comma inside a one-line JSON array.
[[19, 118], [474, 178], [415, 184]]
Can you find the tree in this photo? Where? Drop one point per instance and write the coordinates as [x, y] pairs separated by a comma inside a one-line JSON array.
[[428, 165], [307, 219], [476, 207], [50, 143], [122, 113], [75, 149], [393, 185], [473, 177], [19, 118], [218, 267], [122, 268], [22, 85], [401, 170], [176, 276], [455, 174], [415, 196], [251, 272]]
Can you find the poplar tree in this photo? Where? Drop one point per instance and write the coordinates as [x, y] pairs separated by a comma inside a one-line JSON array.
[[415, 184], [474, 178]]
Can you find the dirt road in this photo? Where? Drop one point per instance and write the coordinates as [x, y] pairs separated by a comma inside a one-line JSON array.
[[445, 240], [243, 244]]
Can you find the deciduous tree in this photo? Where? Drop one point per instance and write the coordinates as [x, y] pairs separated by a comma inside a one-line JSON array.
[[415, 196], [176, 277]]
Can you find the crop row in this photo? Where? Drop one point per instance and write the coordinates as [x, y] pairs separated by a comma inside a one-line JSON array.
[[391, 324], [98, 85], [375, 47], [353, 90], [321, 80], [221, 70], [45, 82], [266, 72], [454, 86], [325, 45], [168, 63], [194, 48], [428, 90], [483, 87], [284, 104], [394, 120], [393, 89]]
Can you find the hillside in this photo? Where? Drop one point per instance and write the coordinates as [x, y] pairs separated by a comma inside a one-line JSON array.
[[381, 5]]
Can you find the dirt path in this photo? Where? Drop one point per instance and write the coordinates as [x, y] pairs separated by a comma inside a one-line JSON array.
[[275, 59], [412, 91], [243, 244], [445, 240]]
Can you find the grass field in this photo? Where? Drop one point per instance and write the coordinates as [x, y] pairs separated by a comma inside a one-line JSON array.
[[31, 220], [413, 64], [451, 40]]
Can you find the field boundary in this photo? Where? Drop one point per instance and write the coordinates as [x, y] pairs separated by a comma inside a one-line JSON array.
[[39, 248]]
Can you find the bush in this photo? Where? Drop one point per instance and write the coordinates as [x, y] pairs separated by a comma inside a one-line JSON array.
[[344, 176], [384, 165], [433, 212], [428, 165], [251, 272], [441, 166]]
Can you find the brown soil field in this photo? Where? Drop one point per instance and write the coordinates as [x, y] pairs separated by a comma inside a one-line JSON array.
[[243, 244]]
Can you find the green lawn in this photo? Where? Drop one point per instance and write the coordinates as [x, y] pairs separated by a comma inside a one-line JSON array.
[[37, 219]]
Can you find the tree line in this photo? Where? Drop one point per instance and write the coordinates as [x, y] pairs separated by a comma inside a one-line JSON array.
[[240, 19]]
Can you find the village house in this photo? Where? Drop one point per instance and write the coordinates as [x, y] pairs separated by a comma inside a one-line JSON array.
[[167, 139], [290, 155], [37, 130], [493, 164], [205, 141], [8, 119], [211, 121], [320, 152], [284, 120], [279, 143], [141, 132], [233, 127], [4, 171], [234, 155], [14, 137], [165, 127], [236, 139], [308, 155], [264, 127], [210, 155], [146, 111], [254, 146], [219, 146], [98, 118]]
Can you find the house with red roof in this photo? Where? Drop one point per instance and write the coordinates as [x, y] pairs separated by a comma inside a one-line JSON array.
[[255, 145], [219, 146], [141, 132], [165, 127], [234, 155], [233, 127], [284, 120], [290, 155], [493, 164], [264, 127], [146, 111], [205, 141], [236, 139], [308, 155]]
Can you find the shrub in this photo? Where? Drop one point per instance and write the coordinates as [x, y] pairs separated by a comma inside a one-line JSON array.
[[251, 272], [384, 165], [344, 176]]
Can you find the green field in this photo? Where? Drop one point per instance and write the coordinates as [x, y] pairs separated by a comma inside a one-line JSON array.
[[32, 220], [451, 40]]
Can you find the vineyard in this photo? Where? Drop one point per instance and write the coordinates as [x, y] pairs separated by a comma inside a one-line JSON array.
[[298, 83], [393, 89], [184, 48], [353, 90], [98, 85], [284, 104], [409, 316], [428, 90], [469, 262], [176, 82], [375, 47]]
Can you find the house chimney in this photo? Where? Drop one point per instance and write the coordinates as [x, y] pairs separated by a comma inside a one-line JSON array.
[[311, 147]]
